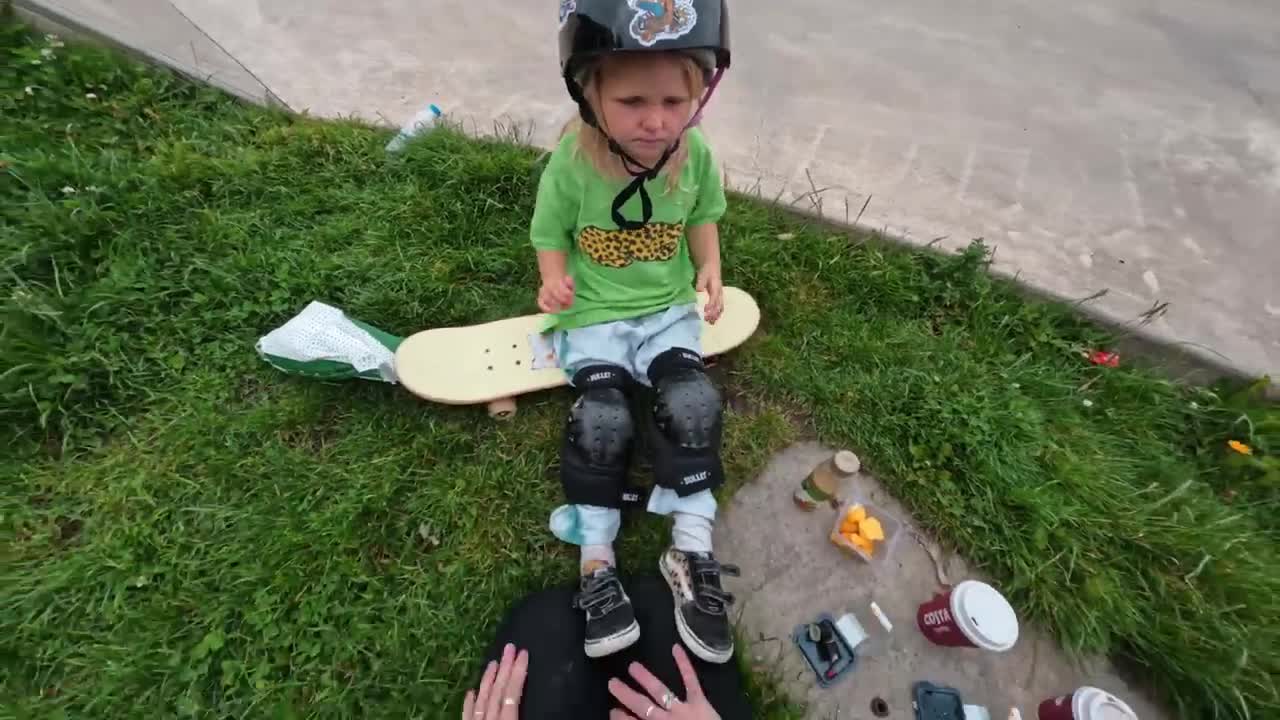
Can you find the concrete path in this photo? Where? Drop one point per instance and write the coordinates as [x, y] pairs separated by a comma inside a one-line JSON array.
[[1130, 146], [791, 573]]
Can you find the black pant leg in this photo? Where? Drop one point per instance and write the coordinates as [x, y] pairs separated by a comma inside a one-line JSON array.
[[564, 683]]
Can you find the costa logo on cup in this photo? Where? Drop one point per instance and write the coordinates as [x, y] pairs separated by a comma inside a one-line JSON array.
[[937, 617]]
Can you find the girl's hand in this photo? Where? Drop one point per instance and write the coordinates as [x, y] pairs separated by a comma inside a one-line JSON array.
[[661, 703], [500, 688], [556, 295], [709, 280]]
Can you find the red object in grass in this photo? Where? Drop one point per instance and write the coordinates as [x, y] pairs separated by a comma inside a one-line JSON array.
[[1102, 357]]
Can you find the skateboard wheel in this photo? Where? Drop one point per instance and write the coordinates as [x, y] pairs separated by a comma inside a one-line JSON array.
[[503, 409]]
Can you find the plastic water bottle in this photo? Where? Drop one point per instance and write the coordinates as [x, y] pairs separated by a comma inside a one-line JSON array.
[[423, 122]]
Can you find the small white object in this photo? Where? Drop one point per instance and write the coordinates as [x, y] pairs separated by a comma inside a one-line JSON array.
[[1152, 282], [1091, 703], [90, 96], [1087, 403], [846, 462], [851, 630], [544, 355], [1015, 714], [68, 190], [976, 712], [984, 616], [884, 619], [422, 122]]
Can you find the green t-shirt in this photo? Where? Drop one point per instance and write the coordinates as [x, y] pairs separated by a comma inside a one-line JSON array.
[[620, 274]]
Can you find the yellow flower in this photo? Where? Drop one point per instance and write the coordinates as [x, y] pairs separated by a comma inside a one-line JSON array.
[[1239, 447]]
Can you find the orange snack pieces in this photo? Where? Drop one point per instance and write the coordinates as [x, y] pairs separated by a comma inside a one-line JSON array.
[[871, 529], [859, 530], [862, 544]]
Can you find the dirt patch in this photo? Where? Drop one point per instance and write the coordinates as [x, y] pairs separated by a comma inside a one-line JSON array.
[[68, 528], [308, 439], [743, 398], [380, 557], [736, 396], [53, 445], [315, 435], [252, 388]]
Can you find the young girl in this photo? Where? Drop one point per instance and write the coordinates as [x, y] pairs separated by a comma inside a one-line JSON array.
[[625, 232]]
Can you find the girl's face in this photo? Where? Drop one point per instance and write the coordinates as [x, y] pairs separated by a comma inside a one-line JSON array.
[[645, 101]]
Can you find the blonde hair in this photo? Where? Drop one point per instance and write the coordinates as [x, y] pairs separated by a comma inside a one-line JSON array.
[[593, 144]]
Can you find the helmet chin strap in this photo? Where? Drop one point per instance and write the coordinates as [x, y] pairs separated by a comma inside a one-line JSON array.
[[706, 97], [642, 174]]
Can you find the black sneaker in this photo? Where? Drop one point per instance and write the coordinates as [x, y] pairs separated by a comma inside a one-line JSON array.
[[702, 607], [611, 621]]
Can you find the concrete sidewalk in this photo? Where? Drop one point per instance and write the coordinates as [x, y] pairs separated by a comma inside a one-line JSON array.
[[1131, 146]]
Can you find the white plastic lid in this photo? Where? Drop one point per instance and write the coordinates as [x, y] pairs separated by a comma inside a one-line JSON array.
[[1091, 703], [984, 616], [846, 462]]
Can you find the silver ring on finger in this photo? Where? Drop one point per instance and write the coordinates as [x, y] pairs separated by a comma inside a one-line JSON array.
[[667, 699]]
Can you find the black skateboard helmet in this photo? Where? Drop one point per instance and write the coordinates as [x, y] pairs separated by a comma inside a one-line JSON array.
[[592, 28]]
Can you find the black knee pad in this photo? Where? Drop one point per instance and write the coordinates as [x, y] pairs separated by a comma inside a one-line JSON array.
[[685, 425], [596, 448]]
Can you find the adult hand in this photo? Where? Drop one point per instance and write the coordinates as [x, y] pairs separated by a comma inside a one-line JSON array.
[[500, 688], [556, 295], [661, 703], [709, 280]]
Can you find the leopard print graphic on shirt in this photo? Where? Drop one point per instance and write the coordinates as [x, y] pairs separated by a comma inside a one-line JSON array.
[[654, 242]]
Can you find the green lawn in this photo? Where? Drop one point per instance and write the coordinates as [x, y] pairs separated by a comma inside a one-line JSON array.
[[186, 531]]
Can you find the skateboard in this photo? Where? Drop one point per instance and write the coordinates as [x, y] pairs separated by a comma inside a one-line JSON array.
[[494, 362]]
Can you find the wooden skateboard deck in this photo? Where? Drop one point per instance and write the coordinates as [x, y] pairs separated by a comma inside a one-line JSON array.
[[494, 362]]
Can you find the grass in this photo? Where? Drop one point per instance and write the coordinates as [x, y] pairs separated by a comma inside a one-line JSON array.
[[188, 532]]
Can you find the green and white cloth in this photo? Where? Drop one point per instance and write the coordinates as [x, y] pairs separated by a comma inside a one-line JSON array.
[[322, 342]]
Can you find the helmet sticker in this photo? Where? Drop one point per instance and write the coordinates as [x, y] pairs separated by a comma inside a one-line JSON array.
[[567, 7], [661, 20]]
